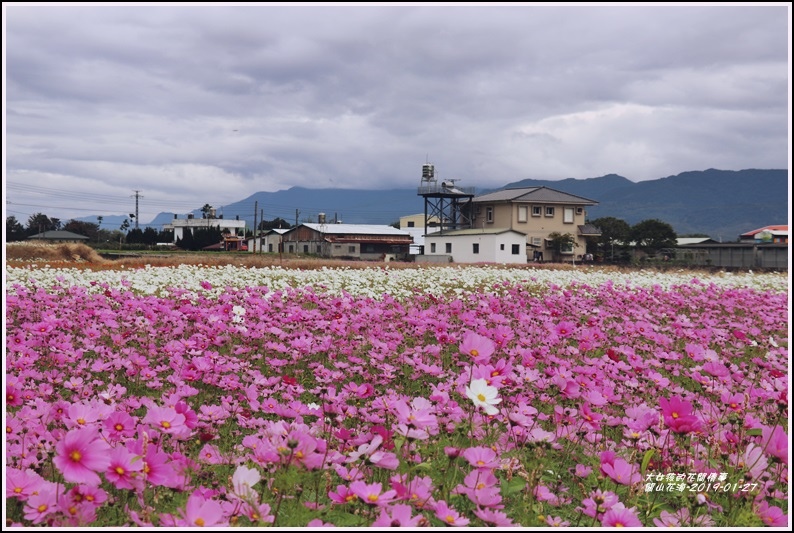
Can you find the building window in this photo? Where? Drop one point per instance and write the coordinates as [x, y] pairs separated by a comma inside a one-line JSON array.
[[337, 246], [522, 213], [291, 248], [537, 241], [502, 247], [448, 247], [566, 248], [567, 215], [410, 223], [270, 247], [549, 211], [516, 249], [351, 249], [475, 248], [306, 248], [536, 210], [432, 247], [579, 210], [489, 214]]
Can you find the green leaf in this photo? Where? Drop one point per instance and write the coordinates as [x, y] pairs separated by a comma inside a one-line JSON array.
[[754, 432], [513, 486], [645, 462]]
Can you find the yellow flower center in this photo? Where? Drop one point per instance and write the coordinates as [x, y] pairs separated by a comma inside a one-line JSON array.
[[41, 508], [475, 353], [119, 471], [118, 427], [17, 489], [166, 424], [81, 421], [675, 415], [372, 497], [75, 456], [450, 519], [481, 397], [199, 522]]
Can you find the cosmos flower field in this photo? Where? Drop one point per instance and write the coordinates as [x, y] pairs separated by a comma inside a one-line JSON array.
[[467, 396]]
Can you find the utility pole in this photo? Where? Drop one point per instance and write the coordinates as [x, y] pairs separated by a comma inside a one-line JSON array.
[[136, 196], [256, 208], [262, 219], [296, 217]]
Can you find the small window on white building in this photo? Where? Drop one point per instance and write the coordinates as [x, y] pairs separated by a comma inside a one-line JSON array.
[[549, 211], [522, 213], [475, 248], [502, 247], [567, 215], [432, 247], [516, 249], [448, 247]]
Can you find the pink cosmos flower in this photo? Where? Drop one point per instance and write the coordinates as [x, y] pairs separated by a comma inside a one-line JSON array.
[[476, 346], [776, 443], [342, 495], [598, 502], [80, 455], [619, 516], [556, 521], [481, 457], [165, 419], [397, 516], [621, 472], [22, 483], [41, 505], [124, 469], [771, 516], [449, 516], [119, 425], [677, 415], [371, 493], [492, 516], [200, 512]]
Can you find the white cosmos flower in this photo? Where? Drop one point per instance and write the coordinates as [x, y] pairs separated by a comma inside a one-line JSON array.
[[243, 479], [483, 395]]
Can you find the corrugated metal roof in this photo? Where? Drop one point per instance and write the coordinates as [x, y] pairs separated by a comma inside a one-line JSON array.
[[355, 229], [474, 231], [535, 194]]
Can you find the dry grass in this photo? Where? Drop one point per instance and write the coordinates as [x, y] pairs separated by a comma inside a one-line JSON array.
[[69, 252]]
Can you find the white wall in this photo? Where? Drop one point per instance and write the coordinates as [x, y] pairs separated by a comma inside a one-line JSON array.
[[490, 247]]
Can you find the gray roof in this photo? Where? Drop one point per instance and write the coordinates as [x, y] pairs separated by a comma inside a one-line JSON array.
[[534, 194], [356, 229], [589, 229], [59, 236], [473, 231]]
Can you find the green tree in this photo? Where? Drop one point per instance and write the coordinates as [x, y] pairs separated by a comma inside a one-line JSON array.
[[87, 229], [652, 235], [276, 223], [14, 230], [206, 210], [615, 236], [39, 223], [562, 242]]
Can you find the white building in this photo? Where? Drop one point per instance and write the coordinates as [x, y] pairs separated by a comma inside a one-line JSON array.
[[267, 241], [489, 245], [180, 225], [415, 226]]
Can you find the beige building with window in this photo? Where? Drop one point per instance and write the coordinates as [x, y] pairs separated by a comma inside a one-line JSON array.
[[537, 212]]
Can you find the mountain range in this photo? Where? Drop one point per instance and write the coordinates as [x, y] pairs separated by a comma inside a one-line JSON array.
[[719, 203]]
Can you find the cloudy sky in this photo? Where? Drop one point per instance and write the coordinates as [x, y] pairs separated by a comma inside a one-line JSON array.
[[195, 104]]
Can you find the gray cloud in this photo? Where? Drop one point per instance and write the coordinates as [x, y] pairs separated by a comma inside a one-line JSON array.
[[208, 104]]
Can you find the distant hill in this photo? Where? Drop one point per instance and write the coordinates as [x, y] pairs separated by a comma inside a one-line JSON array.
[[719, 203]]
